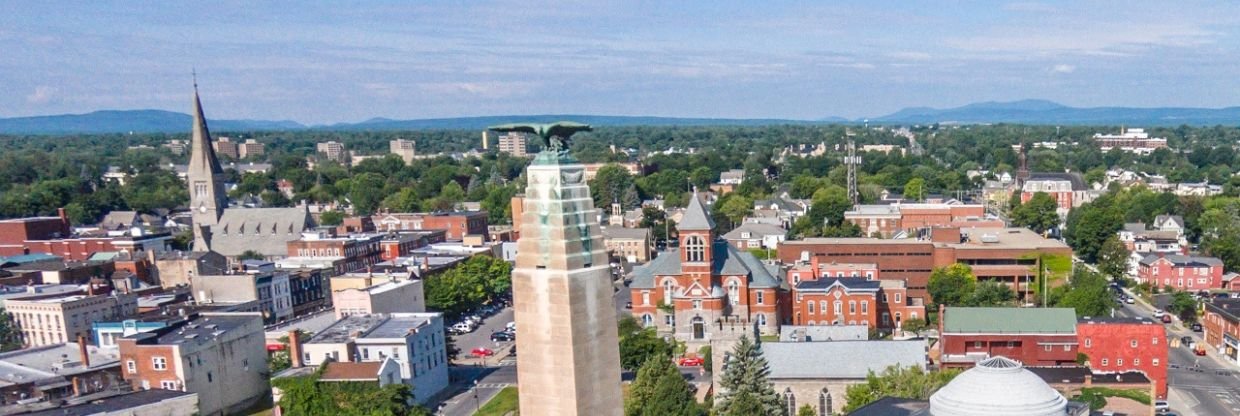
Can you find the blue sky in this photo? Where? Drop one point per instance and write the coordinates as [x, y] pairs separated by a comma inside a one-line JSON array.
[[326, 62]]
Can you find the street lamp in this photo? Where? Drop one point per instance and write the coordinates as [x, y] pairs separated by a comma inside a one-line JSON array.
[[477, 405]]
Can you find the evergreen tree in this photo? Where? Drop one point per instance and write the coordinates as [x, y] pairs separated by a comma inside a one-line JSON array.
[[10, 337], [660, 390], [745, 389]]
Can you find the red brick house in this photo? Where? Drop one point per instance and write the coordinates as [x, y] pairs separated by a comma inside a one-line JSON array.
[[814, 269], [1190, 273], [1126, 344], [1222, 328], [707, 285], [882, 304], [1033, 336]]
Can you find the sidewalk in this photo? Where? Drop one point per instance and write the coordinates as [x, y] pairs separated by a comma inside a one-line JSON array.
[[1174, 395]]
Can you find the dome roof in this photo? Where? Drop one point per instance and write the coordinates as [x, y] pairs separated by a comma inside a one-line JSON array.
[[997, 386]]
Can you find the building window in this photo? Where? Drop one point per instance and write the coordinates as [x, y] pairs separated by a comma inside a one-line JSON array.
[[897, 298], [1119, 362], [865, 307], [1088, 342], [695, 249], [1136, 361], [1046, 348], [645, 298], [1105, 362], [1155, 361], [209, 377], [131, 366], [824, 402], [761, 298], [1011, 344], [734, 292], [697, 304], [791, 401], [168, 385], [1154, 341], [761, 319], [669, 319], [1133, 343], [839, 308], [852, 307], [159, 363], [1067, 348], [977, 344], [810, 305]]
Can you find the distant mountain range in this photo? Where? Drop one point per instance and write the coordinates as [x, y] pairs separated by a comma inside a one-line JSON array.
[[1048, 112], [1019, 112]]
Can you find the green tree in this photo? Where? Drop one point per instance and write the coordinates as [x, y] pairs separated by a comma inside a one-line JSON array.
[[745, 388], [909, 383], [1090, 225], [639, 345], [610, 185], [827, 209], [366, 192], [1038, 214], [251, 255], [806, 410], [1088, 294], [331, 218], [915, 189], [660, 389], [10, 337], [735, 208], [991, 293], [1113, 258], [1184, 306], [952, 285]]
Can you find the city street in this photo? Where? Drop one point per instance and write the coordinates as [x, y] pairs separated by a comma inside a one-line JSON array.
[[1198, 385]]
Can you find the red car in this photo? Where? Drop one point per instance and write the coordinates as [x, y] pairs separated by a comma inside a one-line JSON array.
[[482, 352], [1166, 319], [690, 361]]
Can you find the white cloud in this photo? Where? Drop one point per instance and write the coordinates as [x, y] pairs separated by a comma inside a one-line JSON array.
[[1063, 69], [42, 95]]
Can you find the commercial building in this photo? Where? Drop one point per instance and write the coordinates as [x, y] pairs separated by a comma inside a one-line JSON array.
[[1221, 325], [332, 150], [708, 283], [634, 245], [222, 357], [414, 340], [266, 285], [889, 220], [1130, 140], [139, 403], [176, 268], [513, 143], [250, 149], [57, 320], [1069, 190], [1126, 344], [456, 224], [1011, 256], [54, 372], [1191, 273], [384, 296], [879, 304], [406, 149], [818, 374], [1034, 336], [347, 254], [592, 168]]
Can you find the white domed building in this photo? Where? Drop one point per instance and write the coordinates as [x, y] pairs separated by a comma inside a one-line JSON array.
[[997, 386]]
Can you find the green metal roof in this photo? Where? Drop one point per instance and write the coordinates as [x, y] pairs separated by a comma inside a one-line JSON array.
[[1010, 320]]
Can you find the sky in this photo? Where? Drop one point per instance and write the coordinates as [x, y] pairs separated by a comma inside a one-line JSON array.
[[328, 62]]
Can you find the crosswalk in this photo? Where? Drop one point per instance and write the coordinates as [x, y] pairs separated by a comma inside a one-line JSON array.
[[493, 385]]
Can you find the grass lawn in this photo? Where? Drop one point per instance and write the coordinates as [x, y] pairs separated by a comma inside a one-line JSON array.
[[769, 338], [501, 404]]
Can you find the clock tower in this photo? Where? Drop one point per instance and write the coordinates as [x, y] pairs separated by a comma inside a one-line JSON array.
[[206, 180]]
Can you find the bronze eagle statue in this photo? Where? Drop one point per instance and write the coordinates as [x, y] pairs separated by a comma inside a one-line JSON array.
[[554, 135]]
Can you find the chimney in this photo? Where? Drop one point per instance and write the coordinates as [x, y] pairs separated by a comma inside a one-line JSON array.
[[64, 221], [294, 349], [82, 350], [814, 271]]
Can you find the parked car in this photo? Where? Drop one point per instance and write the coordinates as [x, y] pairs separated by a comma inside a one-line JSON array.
[[1129, 300], [503, 336], [1186, 341], [1199, 349], [482, 352], [1196, 327], [1166, 319], [1222, 295], [628, 305], [511, 327], [462, 328], [1158, 314], [1161, 406], [690, 361], [512, 351]]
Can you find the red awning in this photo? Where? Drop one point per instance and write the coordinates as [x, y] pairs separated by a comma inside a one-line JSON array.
[[275, 347]]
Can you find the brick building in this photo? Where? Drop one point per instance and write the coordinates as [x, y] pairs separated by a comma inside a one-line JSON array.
[[853, 301], [1222, 328], [456, 225], [225, 146], [634, 245], [813, 269], [350, 253], [1034, 336], [708, 284], [1069, 190], [1191, 273], [250, 149], [888, 220], [220, 356], [1011, 256], [1126, 344], [52, 235]]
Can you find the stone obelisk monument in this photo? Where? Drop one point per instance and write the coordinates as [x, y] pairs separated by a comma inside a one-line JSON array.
[[568, 360]]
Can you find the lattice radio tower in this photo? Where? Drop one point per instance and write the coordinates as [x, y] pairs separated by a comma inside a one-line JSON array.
[[852, 160]]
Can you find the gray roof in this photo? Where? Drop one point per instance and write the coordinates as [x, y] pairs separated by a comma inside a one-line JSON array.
[[117, 219], [823, 333], [756, 230], [696, 217], [400, 325], [1182, 260], [115, 404], [199, 328], [727, 260], [840, 359], [1077, 181], [1175, 218], [848, 283], [621, 232], [264, 230]]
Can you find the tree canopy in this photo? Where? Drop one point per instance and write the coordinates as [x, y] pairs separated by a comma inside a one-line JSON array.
[[660, 389], [1039, 213], [904, 382]]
